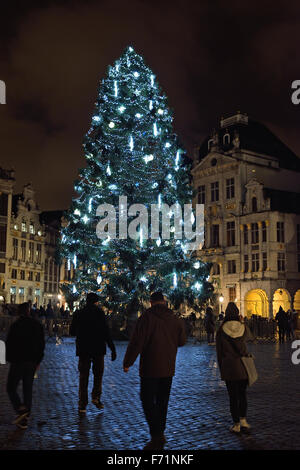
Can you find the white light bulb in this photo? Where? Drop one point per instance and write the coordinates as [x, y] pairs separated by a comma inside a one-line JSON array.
[[96, 118], [197, 286], [131, 145], [122, 109], [136, 74], [167, 145], [90, 204], [148, 158], [85, 219], [197, 265], [111, 125], [99, 279], [77, 212], [138, 115], [160, 111]]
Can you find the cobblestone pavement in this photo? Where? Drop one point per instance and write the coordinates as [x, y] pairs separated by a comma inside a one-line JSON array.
[[198, 416]]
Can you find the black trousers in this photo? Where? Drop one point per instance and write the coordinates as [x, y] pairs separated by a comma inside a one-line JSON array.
[[21, 371], [237, 398], [155, 393], [84, 365]]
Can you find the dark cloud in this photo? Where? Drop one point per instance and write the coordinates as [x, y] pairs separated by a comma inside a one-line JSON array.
[[210, 58]]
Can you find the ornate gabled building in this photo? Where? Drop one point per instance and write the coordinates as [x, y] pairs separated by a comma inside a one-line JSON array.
[[249, 182], [29, 271], [7, 183], [26, 250]]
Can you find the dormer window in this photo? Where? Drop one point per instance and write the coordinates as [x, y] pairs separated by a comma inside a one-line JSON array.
[[254, 204], [226, 139], [23, 226], [31, 228]]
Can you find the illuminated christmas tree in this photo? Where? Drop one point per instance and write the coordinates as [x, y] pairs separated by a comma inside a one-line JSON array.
[[133, 157]]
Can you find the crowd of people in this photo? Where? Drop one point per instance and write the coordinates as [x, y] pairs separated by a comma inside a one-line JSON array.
[[156, 337]]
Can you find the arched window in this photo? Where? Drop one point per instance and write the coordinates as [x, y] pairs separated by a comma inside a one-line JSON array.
[[226, 139], [254, 204]]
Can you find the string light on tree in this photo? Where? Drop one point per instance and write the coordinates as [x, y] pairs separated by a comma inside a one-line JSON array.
[[131, 151]]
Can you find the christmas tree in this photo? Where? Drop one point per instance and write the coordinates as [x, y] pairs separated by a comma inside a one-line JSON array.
[[135, 165]]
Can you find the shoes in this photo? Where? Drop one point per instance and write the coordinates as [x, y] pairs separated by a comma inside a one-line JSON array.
[[156, 443], [245, 426], [23, 423], [22, 420], [236, 428], [98, 404]]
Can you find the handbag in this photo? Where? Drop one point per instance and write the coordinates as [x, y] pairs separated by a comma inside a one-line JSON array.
[[249, 364]]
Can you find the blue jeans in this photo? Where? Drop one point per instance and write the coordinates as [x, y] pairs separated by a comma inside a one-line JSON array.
[[21, 371]]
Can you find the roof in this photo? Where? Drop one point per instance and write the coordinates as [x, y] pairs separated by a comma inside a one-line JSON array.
[[52, 218], [255, 137], [283, 201]]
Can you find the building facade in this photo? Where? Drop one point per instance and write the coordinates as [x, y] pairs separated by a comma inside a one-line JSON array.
[[249, 182], [29, 271]]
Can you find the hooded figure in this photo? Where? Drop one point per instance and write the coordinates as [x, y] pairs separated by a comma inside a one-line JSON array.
[[231, 346], [156, 337]]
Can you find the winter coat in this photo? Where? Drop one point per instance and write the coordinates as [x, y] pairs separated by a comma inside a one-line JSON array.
[[231, 346], [157, 335], [282, 318], [209, 323], [25, 341], [91, 331]]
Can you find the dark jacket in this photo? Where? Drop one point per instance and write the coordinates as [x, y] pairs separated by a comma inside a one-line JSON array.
[[281, 318], [25, 341], [231, 346], [209, 322], [91, 331], [156, 337]]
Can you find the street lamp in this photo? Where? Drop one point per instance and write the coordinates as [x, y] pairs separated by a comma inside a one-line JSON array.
[[221, 300]]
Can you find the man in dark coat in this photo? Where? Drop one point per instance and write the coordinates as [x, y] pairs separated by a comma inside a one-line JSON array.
[[156, 337], [92, 334], [25, 344], [210, 325], [282, 321]]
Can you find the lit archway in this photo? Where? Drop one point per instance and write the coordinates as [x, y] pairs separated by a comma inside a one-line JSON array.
[[256, 303], [281, 298], [297, 301]]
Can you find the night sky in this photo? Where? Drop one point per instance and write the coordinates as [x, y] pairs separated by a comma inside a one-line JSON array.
[[211, 59]]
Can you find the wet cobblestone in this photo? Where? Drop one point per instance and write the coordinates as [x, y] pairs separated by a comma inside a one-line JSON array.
[[198, 416]]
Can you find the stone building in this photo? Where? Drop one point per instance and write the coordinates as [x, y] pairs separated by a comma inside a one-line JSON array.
[[7, 182], [25, 250], [249, 182], [28, 238]]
